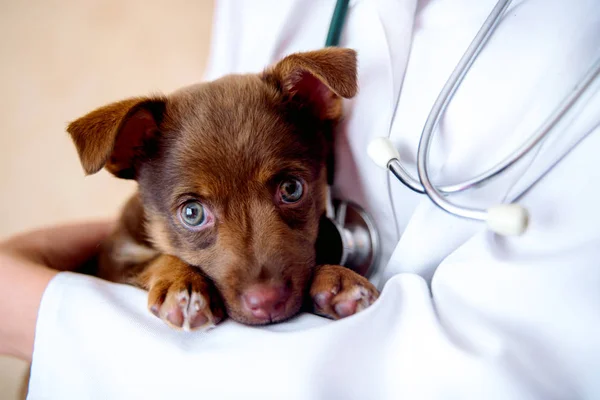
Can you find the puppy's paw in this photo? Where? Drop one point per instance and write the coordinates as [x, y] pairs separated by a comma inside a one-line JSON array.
[[186, 302], [338, 292]]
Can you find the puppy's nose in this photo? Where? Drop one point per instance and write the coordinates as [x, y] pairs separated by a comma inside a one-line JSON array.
[[265, 302]]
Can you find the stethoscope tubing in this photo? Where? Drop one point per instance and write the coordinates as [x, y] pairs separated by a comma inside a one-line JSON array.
[[438, 193], [439, 107], [395, 166]]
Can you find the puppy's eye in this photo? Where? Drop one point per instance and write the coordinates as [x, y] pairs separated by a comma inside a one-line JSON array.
[[193, 214], [291, 190]]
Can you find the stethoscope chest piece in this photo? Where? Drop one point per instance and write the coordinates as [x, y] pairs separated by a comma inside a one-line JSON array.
[[350, 239]]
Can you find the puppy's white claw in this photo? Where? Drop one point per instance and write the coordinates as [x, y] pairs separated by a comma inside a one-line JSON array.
[[186, 311]]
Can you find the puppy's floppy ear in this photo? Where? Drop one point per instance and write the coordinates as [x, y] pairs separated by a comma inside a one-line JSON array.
[[115, 136], [318, 79]]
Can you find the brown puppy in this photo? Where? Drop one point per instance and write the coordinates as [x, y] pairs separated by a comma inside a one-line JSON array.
[[232, 185]]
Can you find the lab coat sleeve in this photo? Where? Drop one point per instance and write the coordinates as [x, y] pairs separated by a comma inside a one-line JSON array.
[[95, 340]]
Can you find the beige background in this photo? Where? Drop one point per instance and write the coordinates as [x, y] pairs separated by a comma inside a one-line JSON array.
[[59, 60]]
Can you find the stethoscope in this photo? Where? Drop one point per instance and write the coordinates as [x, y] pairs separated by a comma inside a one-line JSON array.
[[504, 219]]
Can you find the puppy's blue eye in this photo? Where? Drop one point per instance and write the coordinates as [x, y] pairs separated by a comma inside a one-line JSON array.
[[291, 190], [193, 214]]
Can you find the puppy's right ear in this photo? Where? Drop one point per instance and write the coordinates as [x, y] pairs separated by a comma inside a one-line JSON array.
[[317, 79], [116, 136]]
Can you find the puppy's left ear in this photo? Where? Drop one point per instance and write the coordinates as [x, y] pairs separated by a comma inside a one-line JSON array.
[[317, 79]]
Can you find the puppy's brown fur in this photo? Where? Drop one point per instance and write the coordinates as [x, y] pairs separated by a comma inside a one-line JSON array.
[[227, 144]]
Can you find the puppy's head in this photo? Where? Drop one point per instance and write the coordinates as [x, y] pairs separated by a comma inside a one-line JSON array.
[[232, 173]]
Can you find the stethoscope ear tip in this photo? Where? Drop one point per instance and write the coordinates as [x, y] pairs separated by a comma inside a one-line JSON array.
[[381, 151], [507, 219]]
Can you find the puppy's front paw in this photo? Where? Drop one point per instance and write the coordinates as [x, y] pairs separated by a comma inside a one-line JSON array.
[[185, 301], [180, 295], [339, 292]]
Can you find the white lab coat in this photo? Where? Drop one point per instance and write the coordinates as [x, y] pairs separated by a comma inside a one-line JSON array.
[[464, 314]]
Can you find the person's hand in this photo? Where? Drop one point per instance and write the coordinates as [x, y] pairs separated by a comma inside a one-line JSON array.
[[27, 264]]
